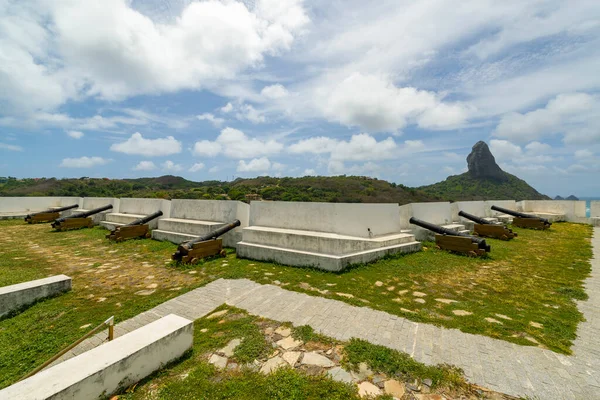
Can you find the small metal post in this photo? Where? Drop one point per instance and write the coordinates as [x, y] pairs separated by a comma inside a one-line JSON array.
[[111, 328]]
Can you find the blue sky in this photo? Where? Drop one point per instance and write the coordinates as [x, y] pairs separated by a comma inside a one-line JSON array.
[[399, 90]]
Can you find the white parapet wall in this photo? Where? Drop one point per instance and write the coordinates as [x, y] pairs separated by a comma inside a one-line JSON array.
[[144, 206], [508, 204], [113, 366], [595, 208], [439, 213], [351, 219], [21, 206], [566, 210], [15, 297], [90, 203]]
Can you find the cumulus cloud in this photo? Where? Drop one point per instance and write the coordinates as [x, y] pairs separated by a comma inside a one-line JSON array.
[[246, 112], [75, 134], [583, 154], [227, 108], [234, 143], [562, 114], [136, 144], [309, 172], [216, 121], [375, 104], [10, 147], [503, 150], [255, 165], [538, 148], [114, 51], [336, 167], [171, 166], [145, 166], [196, 167], [274, 92], [83, 162]]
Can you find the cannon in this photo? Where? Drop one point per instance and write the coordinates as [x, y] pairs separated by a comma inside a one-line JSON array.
[[447, 239], [485, 228], [135, 229], [48, 215], [79, 220], [525, 220], [204, 246]]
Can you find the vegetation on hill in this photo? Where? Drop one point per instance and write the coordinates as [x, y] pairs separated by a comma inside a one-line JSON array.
[[350, 189], [466, 187]]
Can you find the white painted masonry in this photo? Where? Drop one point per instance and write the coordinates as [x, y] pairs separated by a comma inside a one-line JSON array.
[[15, 297]]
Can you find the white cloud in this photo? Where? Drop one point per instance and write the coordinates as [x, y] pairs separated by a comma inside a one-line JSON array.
[[145, 166], [216, 121], [10, 147], [274, 92], [309, 172], [538, 148], [75, 134], [505, 150], [136, 144], [214, 169], [560, 115], [583, 154], [246, 112], [171, 166], [234, 143], [83, 162], [196, 167], [227, 108], [276, 166], [337, 167], [374, 103], [255, 165]]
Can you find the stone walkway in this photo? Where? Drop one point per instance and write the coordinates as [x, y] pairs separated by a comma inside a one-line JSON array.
[[502, 366]]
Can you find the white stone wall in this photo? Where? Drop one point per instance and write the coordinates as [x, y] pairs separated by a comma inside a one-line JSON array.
[[145, 206], [89, 203], [32, 204], [342, 218], [15, 297], [477, 208], [572, 209], [211, 210], [595, 208], [508, 204], [439, 213]]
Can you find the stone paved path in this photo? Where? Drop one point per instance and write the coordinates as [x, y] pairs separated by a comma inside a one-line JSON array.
[[496, 364]]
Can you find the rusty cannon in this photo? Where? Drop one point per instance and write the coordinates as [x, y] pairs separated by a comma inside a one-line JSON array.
[[449, 240], [48, 215], [79, 220], [489, 229], [204, 246], [136, 229], [525, 220]]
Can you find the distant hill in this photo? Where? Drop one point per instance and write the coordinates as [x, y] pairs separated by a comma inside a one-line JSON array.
[[484, 180]]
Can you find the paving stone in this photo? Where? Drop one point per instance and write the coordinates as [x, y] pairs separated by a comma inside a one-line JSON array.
[[536, 324], [348, 295], [218, 361], [291, 357], [217, 314], [503, 316], [394, 388], [283, 331], [492, 320], [339, 374], [379, 284], [145, 292], [422, 301], [419, 294], [461, 313], [228, 350], [446, 301], [289, 343], [364, 372], [317, 359], [367, 389], [402, 292], [272, 365]]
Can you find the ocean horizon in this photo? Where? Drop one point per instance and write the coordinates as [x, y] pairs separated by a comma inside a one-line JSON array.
[[588, 201]]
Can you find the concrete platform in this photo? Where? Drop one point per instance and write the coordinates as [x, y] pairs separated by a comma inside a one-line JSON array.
[[328, 262], [118, 219], [13, 215], [424, 235], [15, 297], [552, 217], [595, 221], [113, 366]]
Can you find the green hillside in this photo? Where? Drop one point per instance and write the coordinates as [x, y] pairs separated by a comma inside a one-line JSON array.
[[466, 187]]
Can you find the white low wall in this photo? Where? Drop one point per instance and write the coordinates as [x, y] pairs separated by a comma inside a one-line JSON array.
[[477, 208], [144, 206], [89, 203], [439, 213], [342, 218], [211, 210], [32, 204], [113, 366], [595, 208], [508, 204], [572, 209], [15, 297]]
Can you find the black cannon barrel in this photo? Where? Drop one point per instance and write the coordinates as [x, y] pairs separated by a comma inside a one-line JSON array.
[[185, 247], [146, 219], [86, 214], [53, 210], [518, 214], [443, 231], [473, 218]]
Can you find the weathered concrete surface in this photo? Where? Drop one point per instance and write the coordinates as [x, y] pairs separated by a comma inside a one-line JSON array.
[[26, 205], [360, 220], [17, 296], [132, 209], [112, 366], [90, 203], [439, 213], [595, 208], [571, 209]]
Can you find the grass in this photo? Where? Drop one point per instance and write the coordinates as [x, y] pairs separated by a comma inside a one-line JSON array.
[[535, 278], [194, 378]]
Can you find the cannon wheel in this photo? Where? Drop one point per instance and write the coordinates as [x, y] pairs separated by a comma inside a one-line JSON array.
[[223, 253], [147, 235], [193, 260]]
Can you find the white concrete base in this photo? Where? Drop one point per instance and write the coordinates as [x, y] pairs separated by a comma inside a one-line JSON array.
[[178, 230], [97, 218], [425, 235], [549, 216], [15, 297], [13, 215], [117, 219], [115, 365], [595, 221], [328, 262]]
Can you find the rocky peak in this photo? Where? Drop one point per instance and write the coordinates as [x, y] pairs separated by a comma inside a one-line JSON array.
[[482, 164]]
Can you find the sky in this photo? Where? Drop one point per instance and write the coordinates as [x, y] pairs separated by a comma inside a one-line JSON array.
[[219, 89]]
